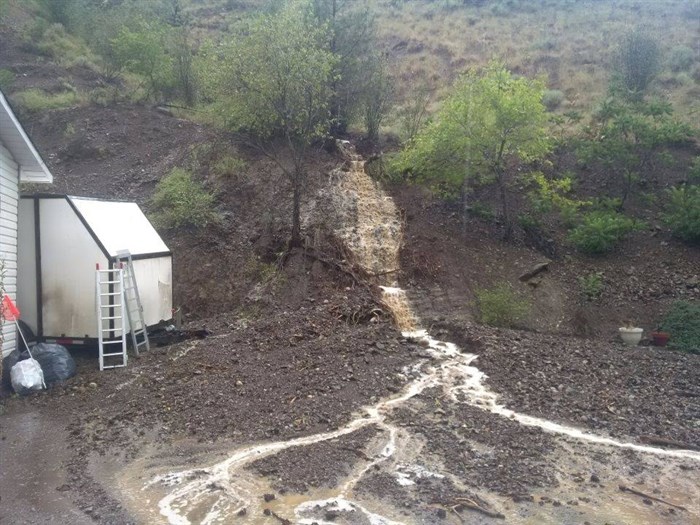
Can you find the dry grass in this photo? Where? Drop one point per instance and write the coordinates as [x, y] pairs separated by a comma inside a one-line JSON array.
[[570, 43]]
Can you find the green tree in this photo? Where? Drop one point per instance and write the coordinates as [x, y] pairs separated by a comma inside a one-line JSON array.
[[377, 94], [490, 120], [352, 39], [627, 136], [273, 81], [141, 49]]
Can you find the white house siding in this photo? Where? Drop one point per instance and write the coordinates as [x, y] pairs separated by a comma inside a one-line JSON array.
[[9, 193]]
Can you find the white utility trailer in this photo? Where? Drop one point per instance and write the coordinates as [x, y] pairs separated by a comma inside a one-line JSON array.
[[61, 240]]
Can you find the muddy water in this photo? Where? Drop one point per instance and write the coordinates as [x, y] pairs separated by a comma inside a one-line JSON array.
[[226, 492]]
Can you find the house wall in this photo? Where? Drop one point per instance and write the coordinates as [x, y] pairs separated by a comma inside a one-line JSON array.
[[26, 260], [9, 194]]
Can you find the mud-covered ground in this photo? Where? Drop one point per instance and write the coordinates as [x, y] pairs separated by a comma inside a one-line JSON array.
[[636, 393]]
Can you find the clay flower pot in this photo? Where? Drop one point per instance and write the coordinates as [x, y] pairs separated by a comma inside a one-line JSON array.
[[631, 336], [660, 338]]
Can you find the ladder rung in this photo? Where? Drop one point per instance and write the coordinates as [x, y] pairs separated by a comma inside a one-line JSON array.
[[115, 329], [110, 282], [112, 342], [111, 270], [106, 294], [113, 317], [114, 354], [118, 305], [114, 366]]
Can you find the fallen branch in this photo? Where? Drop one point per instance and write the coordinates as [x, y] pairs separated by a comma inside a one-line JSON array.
[[647, 496], [472, 505], [654, 440]]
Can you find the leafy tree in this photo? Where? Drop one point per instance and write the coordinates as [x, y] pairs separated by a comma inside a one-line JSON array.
[[273, 83], [490, 120], [141, 49], [626, 138], [352, 40], [377, 95]]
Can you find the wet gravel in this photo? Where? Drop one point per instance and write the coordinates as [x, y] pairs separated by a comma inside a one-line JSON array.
[[631, 393], [479, 448], [321, 465]]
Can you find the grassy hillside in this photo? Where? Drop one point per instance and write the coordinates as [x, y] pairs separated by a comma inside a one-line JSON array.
[[571, 43]]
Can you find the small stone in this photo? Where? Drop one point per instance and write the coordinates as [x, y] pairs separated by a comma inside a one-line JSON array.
[[595, 478], [242, 512], [442, 514], [92, 385], [267, 512], [239, 383], [330, 515], [268, 497]]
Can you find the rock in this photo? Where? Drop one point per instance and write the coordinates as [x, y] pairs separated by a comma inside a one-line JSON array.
[[330, 515], [535, 270], [268, 497], [442, 514], [92, 385], [595, 478]]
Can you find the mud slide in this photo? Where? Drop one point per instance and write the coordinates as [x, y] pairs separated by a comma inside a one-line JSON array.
[[228, 492]]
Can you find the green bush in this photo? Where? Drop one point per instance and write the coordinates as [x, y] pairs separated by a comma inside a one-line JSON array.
[[682, 322], [228, 166], [681, 58], [683, 215], [638, 60], [180, 201], [64, 48], [600, 231], [35, 100], [501, 306], [552, 99], [7, 78], [592, 285]]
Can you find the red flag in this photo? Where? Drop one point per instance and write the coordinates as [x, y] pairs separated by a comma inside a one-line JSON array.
[[10, 312]]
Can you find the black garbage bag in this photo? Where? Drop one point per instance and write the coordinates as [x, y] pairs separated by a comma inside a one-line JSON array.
[[55, 360], [7, 363]]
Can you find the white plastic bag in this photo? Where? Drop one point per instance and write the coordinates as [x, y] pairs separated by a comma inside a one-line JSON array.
[[26, 376]]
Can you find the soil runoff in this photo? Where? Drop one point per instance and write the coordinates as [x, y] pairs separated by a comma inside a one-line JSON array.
[[369, 225]]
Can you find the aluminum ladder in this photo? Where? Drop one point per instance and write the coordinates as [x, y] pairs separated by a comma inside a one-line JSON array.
[[111, 332], [132, 301]]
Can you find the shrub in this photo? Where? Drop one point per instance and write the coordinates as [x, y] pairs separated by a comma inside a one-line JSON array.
[[552, 99], [683, 323], [591, 285], [501, 306], [35, 100], [683, 215], [600, 231], [63, 47], [228, 166], [180, 201], [638, 60], [7, 78], [681, 58]]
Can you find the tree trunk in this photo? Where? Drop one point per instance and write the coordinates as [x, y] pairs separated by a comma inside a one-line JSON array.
[[295, 240], [505, 209], [464, 202]]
